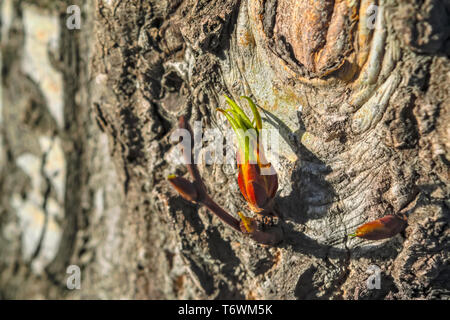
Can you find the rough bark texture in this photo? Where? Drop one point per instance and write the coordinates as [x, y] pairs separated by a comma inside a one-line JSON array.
[[362, 108]]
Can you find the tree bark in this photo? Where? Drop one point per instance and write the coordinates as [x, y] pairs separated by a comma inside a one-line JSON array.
[[357, 91]]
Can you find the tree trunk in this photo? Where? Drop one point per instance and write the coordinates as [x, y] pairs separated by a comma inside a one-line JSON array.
[[358, 92]]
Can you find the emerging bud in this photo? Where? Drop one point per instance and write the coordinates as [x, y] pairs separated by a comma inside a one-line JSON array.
[[184, 187], [196, 192], [382, 228], [257, 188]]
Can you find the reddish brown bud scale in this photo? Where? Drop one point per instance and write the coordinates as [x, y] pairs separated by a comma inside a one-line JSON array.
[[184, 187], [382, 228], [257, 189]]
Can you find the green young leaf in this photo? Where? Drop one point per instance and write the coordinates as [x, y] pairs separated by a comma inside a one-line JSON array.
[[241, 125], [256, 115], [236, 128], [238, 119], [247, 124]]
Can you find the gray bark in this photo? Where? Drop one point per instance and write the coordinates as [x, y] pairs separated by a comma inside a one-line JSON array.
[[362, 110]]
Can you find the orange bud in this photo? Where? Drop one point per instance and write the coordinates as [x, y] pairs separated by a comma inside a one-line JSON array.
[[257, 189], [184, 187], [382, 228]]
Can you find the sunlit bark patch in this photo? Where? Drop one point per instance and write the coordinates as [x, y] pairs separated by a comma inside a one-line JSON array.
[[317, 39]]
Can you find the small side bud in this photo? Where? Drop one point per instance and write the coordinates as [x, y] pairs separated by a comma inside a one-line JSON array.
[[184, 187], [248, 225], [379, 229]]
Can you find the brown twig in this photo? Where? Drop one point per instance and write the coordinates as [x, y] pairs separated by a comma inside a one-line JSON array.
[[203, 197]]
